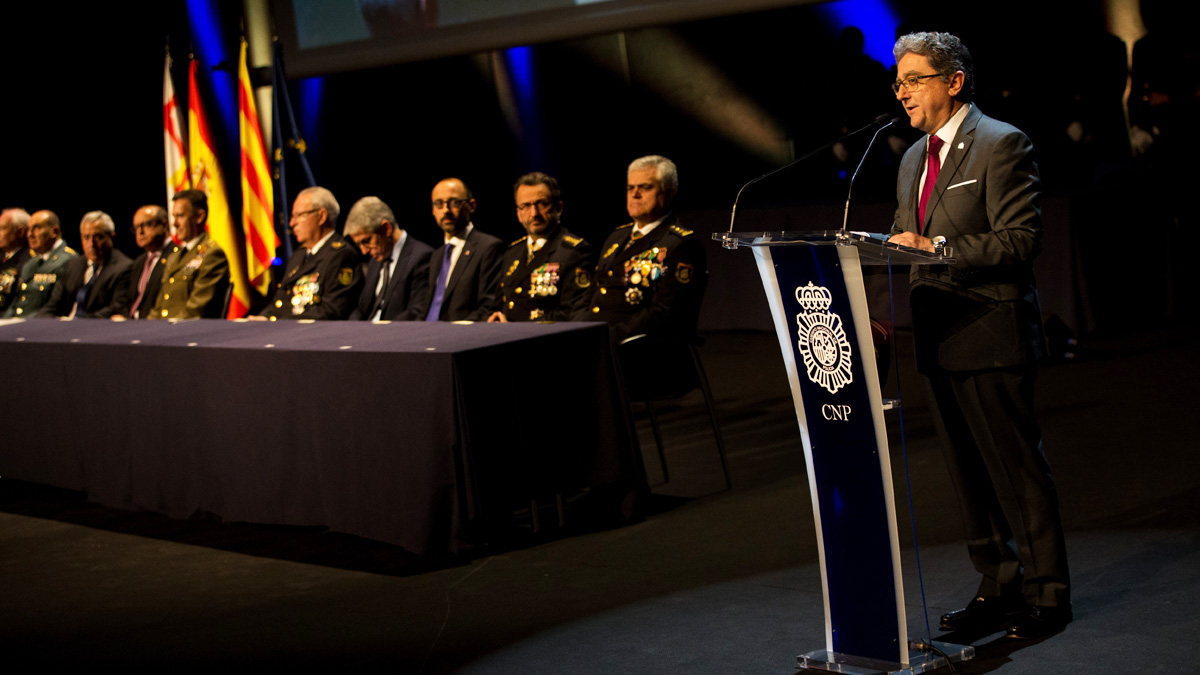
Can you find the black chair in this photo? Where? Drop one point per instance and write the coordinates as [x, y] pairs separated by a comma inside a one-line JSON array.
[[664, 369]]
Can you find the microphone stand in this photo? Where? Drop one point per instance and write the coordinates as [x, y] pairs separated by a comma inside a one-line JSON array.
[[877, 120], [846, 215]]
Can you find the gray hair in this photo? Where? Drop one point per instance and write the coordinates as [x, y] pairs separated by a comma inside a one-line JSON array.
[[367, 215], [668, 175], [19, 217], [321, 198], [99, 217], [946, 54]]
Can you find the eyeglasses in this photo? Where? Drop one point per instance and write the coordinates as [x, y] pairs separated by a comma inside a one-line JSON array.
[[147, 226], [540, 204], [449, 203], [912, 83], [300, 214]]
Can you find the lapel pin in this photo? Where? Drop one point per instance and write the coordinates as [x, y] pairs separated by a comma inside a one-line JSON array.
[[960, 146]]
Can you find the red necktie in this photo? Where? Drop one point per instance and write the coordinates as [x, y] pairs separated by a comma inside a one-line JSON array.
[[150, 260], [931, 176]]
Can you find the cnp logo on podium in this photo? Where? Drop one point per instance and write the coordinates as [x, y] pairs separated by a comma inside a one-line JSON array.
[[822, 339]]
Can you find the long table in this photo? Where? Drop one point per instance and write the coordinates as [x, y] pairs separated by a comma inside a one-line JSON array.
[[418, 434]]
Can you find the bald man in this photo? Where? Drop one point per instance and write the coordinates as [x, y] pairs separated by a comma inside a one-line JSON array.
[[464, 274], [49, 254], [151, 226]]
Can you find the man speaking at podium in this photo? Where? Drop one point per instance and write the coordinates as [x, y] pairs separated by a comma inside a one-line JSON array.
[[973, 181]]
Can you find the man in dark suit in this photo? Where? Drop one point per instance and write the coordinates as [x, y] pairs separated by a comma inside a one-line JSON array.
[[195, 277], [547, 273], [651, 274], [14, 253], [972, 182], [398, 272], [464, 274], [323, 278], [96, 284], [150, 231]]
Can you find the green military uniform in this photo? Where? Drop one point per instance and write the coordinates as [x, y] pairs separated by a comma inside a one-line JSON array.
[[651, 285], [10, 277], [551, 284], [321, 285], [37, 281], [194, 282]]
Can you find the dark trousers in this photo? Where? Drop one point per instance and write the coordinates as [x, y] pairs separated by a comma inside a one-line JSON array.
[[993, 448]]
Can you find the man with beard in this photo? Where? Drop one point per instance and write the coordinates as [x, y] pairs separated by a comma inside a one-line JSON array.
[[545, 274], [464, 274]]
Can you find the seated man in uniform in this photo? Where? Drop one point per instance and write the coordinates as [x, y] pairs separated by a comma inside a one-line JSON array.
[[14, 253], [48, 256], [651, 275], [397, 275], [195, 280], [546, 274], [323, 278], [96, 284]]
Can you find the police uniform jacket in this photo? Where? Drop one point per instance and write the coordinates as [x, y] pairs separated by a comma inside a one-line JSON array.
[[652, 285], [324, 285], [10, 277], [194, 283], [550, 286], [37, 281], [108, 295], [153, 282]]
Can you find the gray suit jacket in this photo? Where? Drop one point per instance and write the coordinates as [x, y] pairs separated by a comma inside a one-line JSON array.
[[983, 311]]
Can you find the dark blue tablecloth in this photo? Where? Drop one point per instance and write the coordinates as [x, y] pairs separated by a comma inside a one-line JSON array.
[[417, 434]]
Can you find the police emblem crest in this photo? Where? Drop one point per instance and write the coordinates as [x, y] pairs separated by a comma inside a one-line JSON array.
[[345, 276], [822, 339]]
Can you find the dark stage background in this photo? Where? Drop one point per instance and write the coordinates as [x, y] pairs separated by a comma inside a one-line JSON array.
[[727, 98]]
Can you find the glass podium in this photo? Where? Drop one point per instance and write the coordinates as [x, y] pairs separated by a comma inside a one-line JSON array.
[[814, 286]]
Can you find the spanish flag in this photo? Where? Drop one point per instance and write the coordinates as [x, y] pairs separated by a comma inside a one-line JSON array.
[[177, 175], [258, 206], [207, 176]]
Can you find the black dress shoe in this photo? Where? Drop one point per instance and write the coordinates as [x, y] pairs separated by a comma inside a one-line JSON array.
[[1038, 622], [982, 614]]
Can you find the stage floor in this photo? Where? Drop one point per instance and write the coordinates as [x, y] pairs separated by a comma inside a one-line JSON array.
[[711, 582]]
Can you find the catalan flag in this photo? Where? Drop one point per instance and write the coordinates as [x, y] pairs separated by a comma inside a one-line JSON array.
[[177, 174], [207, 176], [258, 207]]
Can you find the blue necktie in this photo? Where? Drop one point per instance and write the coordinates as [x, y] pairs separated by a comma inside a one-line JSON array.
[[439, 291], [82, 293]]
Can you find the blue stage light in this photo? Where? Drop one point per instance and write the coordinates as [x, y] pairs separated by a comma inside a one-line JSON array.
[[875, 18]]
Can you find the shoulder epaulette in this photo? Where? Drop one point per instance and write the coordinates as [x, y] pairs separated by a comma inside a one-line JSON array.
[[337, 244], [680, 231], [626, 225], [572, 241], [70, 250], [522, 239]]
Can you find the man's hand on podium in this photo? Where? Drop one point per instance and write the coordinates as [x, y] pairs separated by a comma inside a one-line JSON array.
[[913, 240]]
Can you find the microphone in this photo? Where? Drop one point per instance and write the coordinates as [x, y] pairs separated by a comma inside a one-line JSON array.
[[850, 190], [877, 120]]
